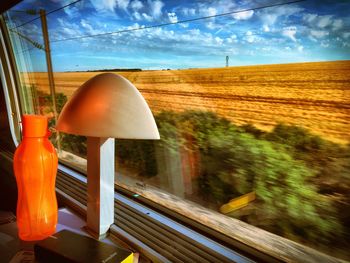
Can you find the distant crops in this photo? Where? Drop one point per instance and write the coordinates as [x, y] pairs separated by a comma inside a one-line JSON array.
[[312, 95]]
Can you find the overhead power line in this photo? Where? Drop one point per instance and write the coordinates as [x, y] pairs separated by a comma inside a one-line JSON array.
[[34, 43], [48, 13], [178, 22]]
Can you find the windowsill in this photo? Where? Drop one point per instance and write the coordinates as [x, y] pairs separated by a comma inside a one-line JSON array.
[[259, 239]]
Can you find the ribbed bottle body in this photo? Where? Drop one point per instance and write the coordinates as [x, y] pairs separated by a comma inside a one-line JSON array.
[[35, 167]]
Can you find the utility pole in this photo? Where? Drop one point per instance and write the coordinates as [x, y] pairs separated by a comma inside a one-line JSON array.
[[227, 58], [50, 72]]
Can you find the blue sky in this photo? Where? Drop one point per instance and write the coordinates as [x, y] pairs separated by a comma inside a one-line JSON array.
[[313, 30]]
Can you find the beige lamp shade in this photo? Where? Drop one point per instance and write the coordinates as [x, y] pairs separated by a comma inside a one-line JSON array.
[[110, 106]]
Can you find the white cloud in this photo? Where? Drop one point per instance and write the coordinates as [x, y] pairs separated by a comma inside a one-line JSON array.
[[309, 17], [269, 19], [110, 5], [219, 40], [211, 11], [346, 34], [172, 17], [211, 8], [136, 5], [137, 15], [231, 39], [206, 8], [66, 30], [290, 32], [69, 31], [243, 15], [72, 11], [104, 5], [337, 24], [325, 44], [123, 4], [184, 25], [155, 8], [87, 26], [211, 25], [270, 16], [324, 21], [185, 42], [300, 48], [266, 28], [346, 44], [249, 37], [134, 26], [318, 33], [188, 11], [136, 33], [147, 17], [189, 39]]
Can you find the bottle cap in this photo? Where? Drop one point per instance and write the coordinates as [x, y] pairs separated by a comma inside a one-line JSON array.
[[34, 125]]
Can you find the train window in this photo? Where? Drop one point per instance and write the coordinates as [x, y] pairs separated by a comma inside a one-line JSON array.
[[251, 99]]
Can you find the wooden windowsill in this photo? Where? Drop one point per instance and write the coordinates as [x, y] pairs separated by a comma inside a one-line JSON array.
[[259, 239]]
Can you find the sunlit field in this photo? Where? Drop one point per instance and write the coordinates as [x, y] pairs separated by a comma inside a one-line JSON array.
[[311, 95]]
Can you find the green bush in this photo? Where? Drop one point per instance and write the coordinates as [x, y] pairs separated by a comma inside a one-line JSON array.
[[138, 155], [234, 162]]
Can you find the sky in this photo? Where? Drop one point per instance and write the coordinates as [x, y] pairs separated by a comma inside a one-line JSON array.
[[311, 30]]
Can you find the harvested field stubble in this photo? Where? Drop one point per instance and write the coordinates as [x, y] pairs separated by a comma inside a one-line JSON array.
[[312, 95]]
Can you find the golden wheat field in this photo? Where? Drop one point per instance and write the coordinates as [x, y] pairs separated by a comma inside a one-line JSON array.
[[313, 95]]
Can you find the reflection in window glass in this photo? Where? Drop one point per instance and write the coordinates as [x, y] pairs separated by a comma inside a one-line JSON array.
[[252, 106]]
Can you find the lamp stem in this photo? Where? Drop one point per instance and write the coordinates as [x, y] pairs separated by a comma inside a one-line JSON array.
[[100, 185]]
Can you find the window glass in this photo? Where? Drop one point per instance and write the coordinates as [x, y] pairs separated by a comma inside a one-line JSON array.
[[251, 99]]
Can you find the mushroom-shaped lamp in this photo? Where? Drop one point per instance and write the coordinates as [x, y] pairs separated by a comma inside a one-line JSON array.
[[105, 107]]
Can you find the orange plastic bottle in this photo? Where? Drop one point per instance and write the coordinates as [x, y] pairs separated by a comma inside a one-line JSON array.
[[35, 166]]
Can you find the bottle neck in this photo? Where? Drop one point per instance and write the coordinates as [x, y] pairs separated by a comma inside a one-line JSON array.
[[34, 126]]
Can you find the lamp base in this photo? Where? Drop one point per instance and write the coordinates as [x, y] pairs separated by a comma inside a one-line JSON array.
[[94, 234]]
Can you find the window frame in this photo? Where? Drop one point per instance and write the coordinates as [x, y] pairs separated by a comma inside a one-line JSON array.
[[9, 79]]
